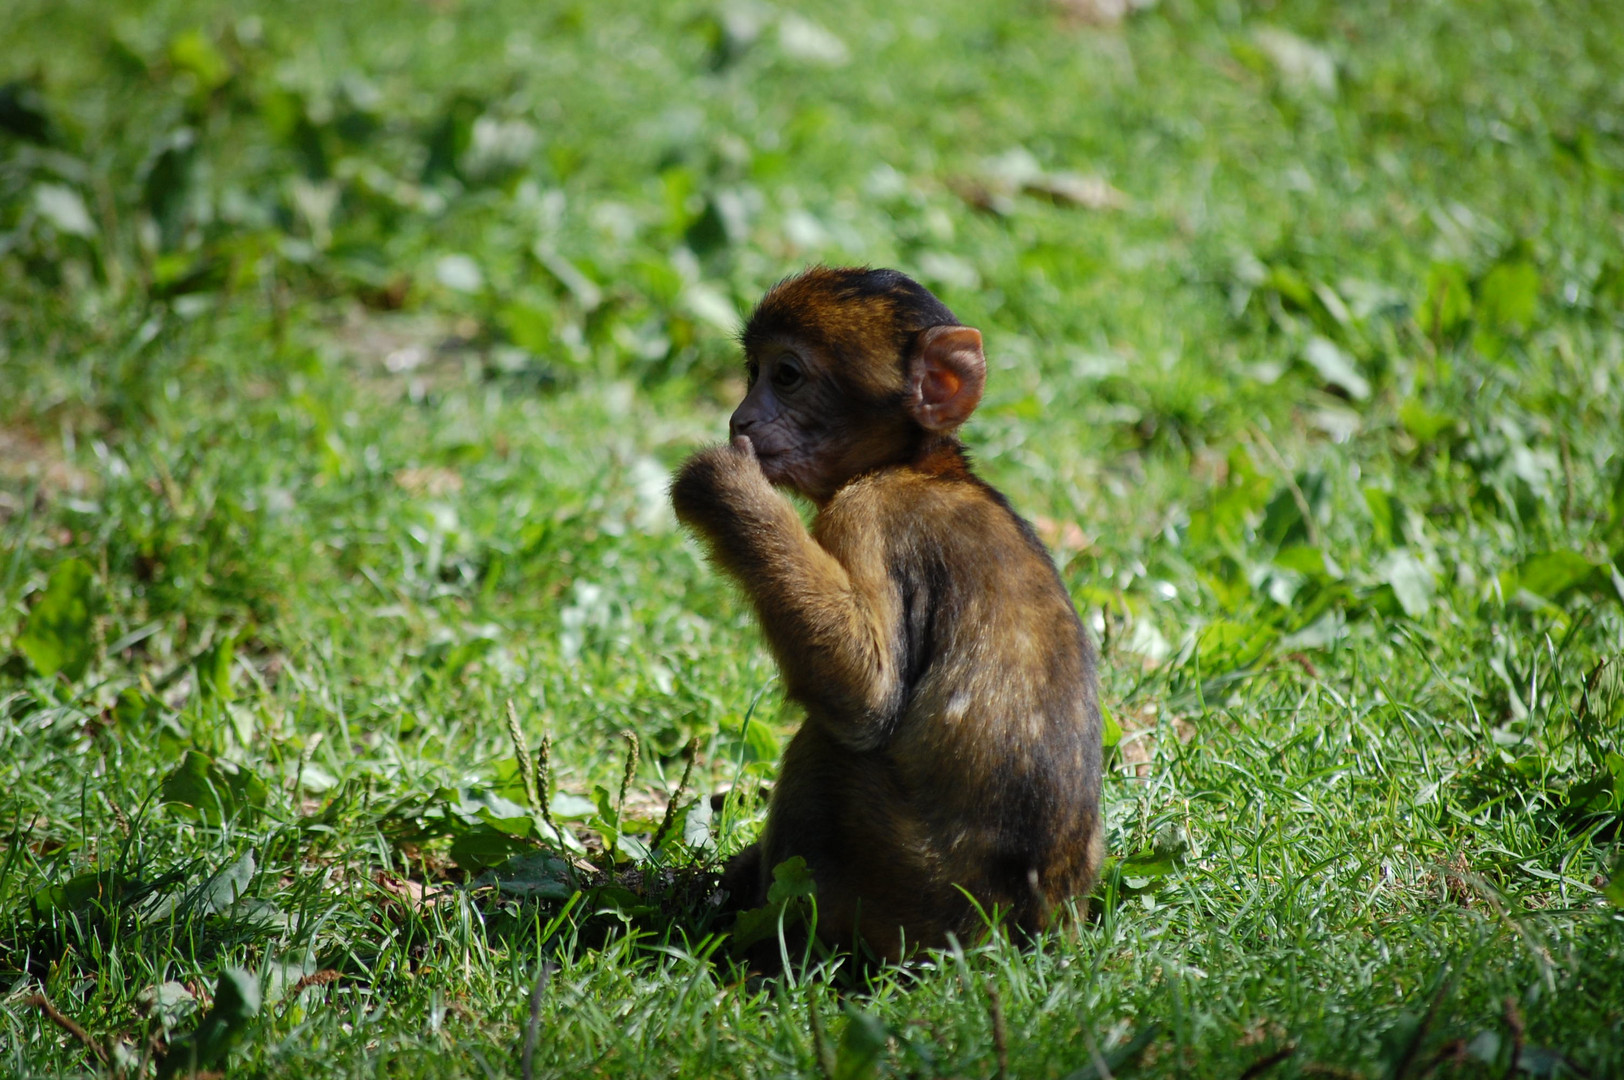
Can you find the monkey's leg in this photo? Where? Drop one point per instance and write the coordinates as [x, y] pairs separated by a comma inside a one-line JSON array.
[[870, 858], [744, 880]]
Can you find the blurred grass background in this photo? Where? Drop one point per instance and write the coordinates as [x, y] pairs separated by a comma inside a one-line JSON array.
[[345, 350]]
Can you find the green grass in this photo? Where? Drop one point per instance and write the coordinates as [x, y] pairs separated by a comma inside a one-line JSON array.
[[345, 349]]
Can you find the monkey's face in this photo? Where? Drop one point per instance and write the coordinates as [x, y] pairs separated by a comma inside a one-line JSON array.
[[810, 430]]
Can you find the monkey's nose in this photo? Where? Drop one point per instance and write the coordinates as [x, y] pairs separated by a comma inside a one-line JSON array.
[[737, 427]]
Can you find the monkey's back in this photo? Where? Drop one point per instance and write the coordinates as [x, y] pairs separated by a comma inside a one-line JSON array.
[[987, 774]]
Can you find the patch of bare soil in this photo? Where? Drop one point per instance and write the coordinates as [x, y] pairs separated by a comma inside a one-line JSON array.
[[29, 462], [397, 356], [1140, 728]]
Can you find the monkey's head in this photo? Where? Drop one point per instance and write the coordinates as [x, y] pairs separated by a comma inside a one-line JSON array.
[[851, 369]]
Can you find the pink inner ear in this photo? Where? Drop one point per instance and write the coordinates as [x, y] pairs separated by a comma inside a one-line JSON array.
[[949, 374], [938, 386]]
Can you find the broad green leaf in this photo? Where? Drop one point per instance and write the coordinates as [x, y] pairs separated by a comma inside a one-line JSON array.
[[476, 804], [1380, 505], [605, 806], [484, 847], [236, 1004], [217, 790], [462, 654], [57, 637], [1292, 286], [521, 825], [1602, 793], [528, 326], [787, 899], [63, 207], [791, 879], [214, 669], [759, 741], [571, 807], [1147, 872], [459, 273], [1308, 560], [585, 291], [1243, 493], [229, 885], [1609, 289], [23, 112], [1422, 423], [1336, 366], [696, 823], [103, 887], [536, 876], [1111, 730], [1448, 302], [679, 825], [1282, 520], [193, 53], [1606, 695], [135, 709], [1228, 644], [1614, 890], [167, 188], [1616, 505], [755, 924], [1141, 869], [170, 1002], [509, 780], [1550, 574], [1317, 632], [620, 899], [861, 1046], [1411, 581], [1508, 295]]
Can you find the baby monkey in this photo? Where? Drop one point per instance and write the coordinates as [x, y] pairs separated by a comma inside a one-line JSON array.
[[951, 747]]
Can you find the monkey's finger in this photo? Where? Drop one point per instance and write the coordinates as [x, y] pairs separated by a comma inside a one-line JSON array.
[[743, 445]]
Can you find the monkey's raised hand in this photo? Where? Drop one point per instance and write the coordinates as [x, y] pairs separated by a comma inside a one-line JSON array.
[[717, 471], [804, 594], [721, 490]]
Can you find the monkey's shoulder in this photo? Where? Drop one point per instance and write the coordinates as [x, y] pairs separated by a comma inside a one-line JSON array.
[[906, 508]]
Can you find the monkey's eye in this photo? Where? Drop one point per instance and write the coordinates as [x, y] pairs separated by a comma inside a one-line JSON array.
[[752, 371], [787, 376]]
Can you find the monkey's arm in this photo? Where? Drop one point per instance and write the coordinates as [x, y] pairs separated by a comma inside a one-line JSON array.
[[834, 627]]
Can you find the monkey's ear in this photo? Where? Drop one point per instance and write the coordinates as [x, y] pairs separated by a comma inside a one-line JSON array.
[[947, 376]]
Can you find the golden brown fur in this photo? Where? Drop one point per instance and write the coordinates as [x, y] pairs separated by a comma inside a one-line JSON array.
[[952, 738]]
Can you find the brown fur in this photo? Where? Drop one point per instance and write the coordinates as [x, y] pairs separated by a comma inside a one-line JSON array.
[[952, 737]]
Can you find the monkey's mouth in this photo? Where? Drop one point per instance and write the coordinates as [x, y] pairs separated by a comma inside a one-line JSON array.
[[776, 465], [764, 454], [772, 465]]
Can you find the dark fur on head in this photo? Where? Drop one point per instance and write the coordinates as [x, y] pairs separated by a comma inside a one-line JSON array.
[[845, 310]]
